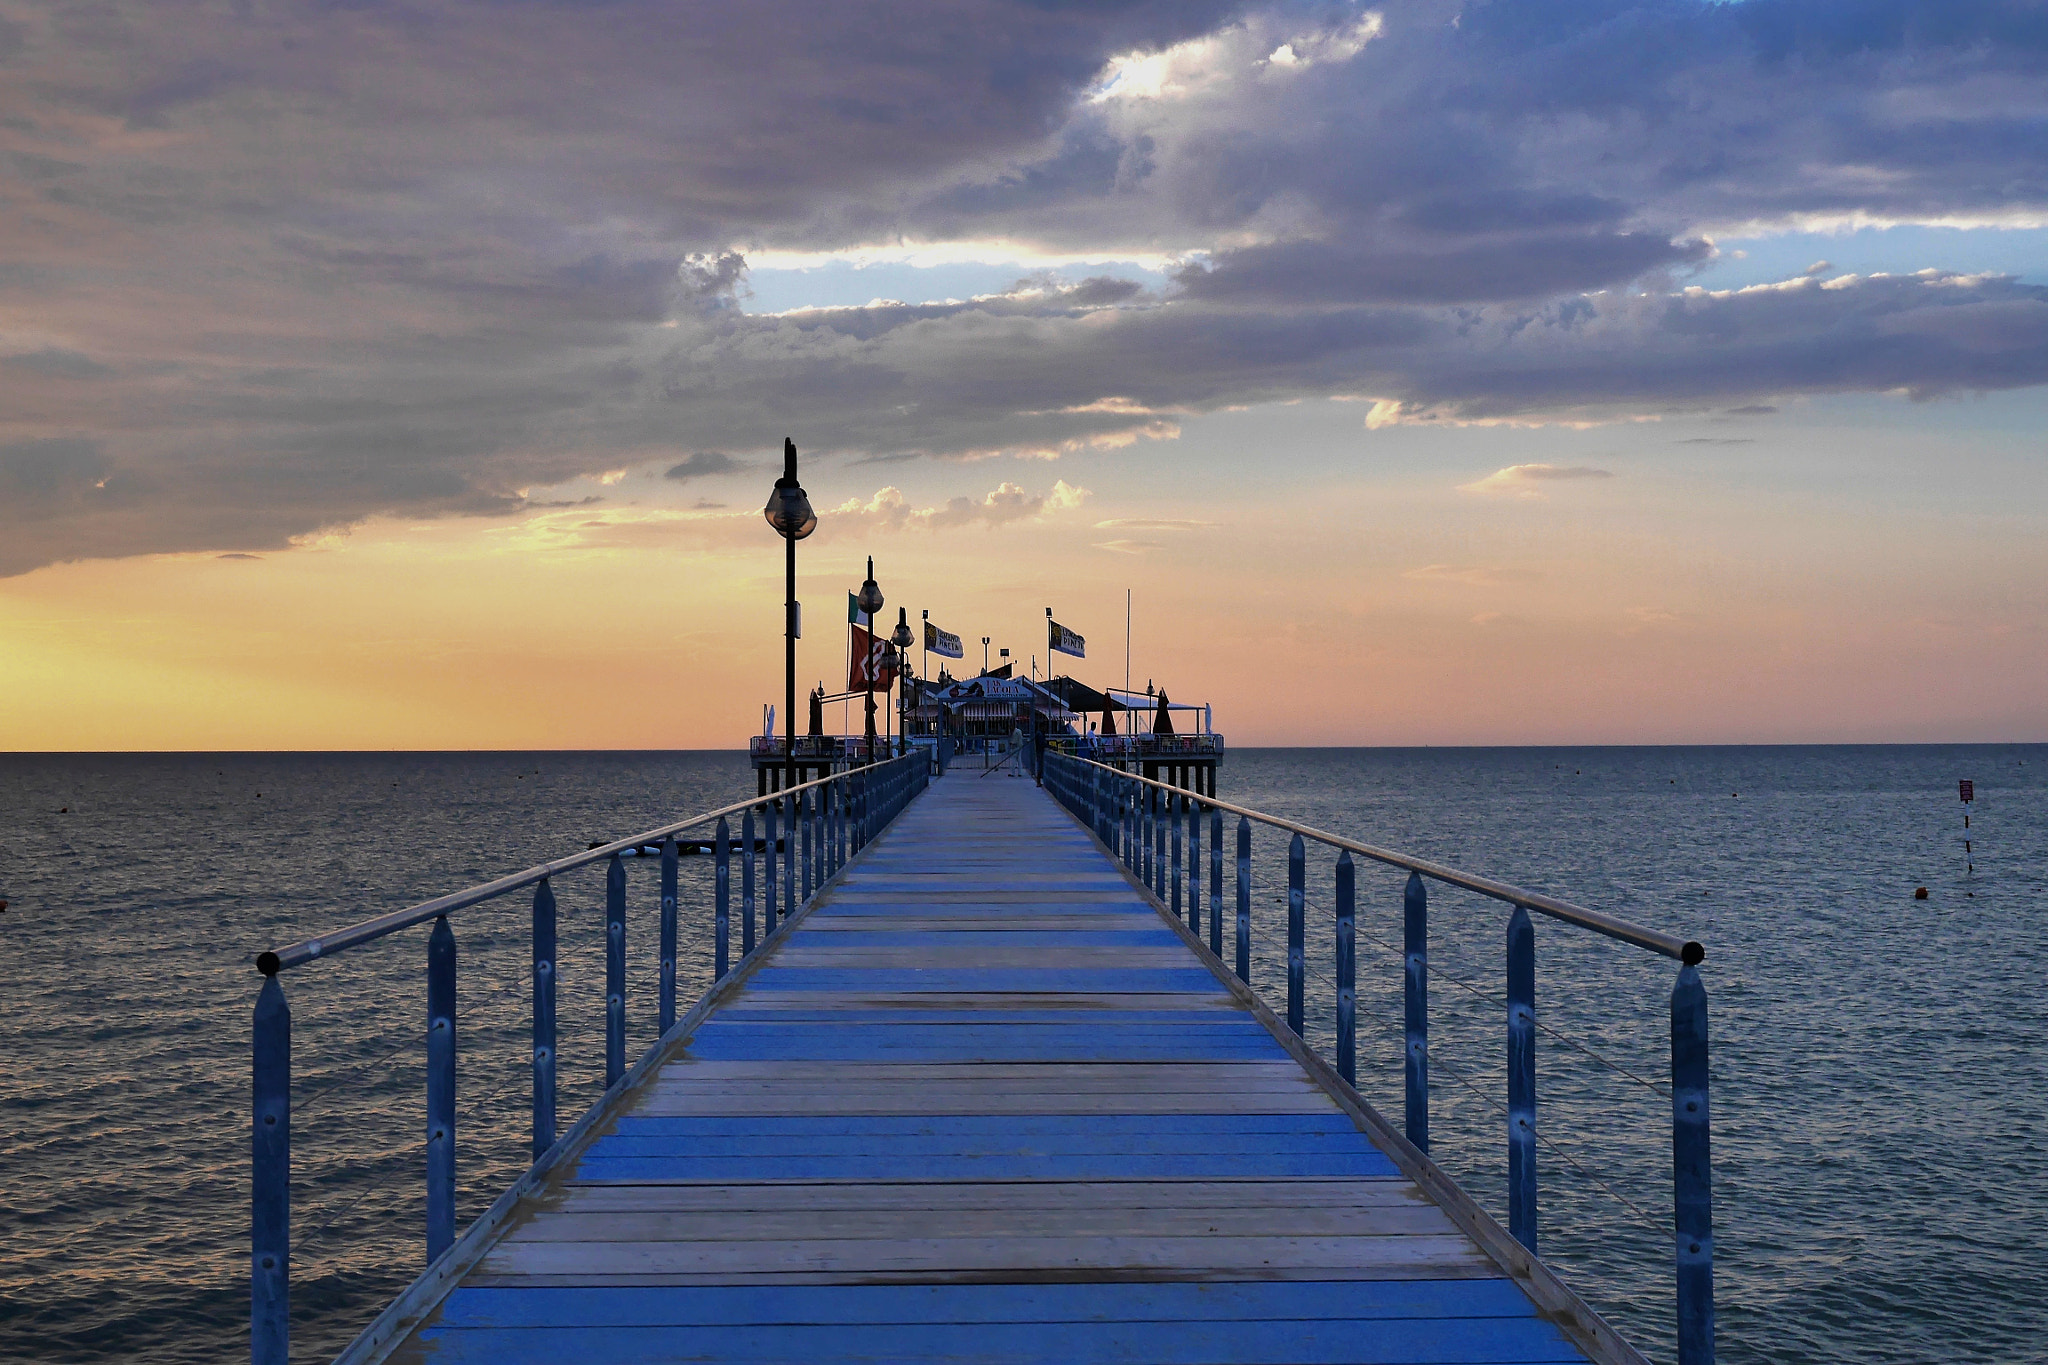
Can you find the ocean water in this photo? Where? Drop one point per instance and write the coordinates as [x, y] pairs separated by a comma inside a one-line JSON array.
[[1880, 1063]]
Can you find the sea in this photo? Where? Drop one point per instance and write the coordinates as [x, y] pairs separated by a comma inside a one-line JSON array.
[[1880, 1061]]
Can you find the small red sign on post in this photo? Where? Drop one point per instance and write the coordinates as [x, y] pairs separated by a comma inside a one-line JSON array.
[[1967, 790]]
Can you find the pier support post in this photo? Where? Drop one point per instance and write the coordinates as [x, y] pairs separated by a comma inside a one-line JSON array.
[[721, 900], [1522, 1079], [771, 836], [1244, 900], [543, 1018], [746, 884], [805, 817], [1297, 931], [1692, 1188], [1176, 810], [1347, 970], [669, 853], [440, 1089], [270, 1174], [1415, 1007], [1216, 883], [614, 971]]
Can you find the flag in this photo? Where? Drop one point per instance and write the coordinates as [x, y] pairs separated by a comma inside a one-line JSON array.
[[864, 669], [853, 611], [1063, 641], [943, 642]]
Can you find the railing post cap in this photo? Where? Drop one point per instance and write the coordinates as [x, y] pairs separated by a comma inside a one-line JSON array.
[[1692, 954], [267, 963]]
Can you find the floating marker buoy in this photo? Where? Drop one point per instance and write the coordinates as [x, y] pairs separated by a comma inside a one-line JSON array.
[[64, 810], [3, 905], [1919, 893]]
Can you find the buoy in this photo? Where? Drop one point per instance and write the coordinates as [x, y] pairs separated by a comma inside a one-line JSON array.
[[3, 905], [65, 810], [1919, 893]]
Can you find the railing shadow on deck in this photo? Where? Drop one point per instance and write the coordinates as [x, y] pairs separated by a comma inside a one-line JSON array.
[[806, 834], [1146, 824]]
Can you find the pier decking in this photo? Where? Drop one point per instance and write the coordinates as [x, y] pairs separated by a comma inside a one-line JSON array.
[[984, 1102]]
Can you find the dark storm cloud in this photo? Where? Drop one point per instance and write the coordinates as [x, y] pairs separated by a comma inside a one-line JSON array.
[[705, 462], [284, 267]]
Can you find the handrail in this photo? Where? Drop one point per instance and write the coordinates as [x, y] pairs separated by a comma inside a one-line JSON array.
[[1683, 950], [370, 930], [1146, 824], [823, 823]]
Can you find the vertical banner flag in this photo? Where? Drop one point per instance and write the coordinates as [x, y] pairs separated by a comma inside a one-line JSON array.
[[1061, 640], [853, 611], [865, 671], [942, 642]]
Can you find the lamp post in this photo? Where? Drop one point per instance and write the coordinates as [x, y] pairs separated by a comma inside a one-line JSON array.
[[984, 653], [902, 638], [869, 600], [789, 512]]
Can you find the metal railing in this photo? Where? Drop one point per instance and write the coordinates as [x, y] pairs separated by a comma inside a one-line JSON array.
[[807, 833], [1147, 824]]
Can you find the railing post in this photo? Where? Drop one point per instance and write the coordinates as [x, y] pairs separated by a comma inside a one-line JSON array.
[[721, 881], [440, 1089], [1347, 970], [805, 817], [1176, 809], [770, 837], [747, 883], [1244, 900], [270, 1173], [1415, 1006], [614, 971], [1297, 931], [1158, 816], [543, 1018], [1216, 883], [1692, 1186], [669, 855], [1522, 1079], [1193, 810]]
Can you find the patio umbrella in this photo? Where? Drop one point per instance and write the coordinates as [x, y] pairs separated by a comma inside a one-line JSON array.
[[1162, 723], [1108, 721], [818, 713]]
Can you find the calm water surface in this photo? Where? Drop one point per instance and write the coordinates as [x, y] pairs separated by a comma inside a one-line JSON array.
[[1880, 1063]]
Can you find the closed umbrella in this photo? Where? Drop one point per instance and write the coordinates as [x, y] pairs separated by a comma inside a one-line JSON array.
[[1108, 721], [818, 713], [1162, 723]]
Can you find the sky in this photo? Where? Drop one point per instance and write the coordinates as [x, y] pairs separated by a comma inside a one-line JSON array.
[[411, 375]]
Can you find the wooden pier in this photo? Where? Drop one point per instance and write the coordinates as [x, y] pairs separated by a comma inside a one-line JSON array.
[[985, 1101]]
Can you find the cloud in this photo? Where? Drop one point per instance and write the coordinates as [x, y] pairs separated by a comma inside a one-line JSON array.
[[1151, 524], [1524, 480], [1128, 547], [706, 462], [889, 510], [283, 273], [1716, 441], [1470, 575], [237, 555]]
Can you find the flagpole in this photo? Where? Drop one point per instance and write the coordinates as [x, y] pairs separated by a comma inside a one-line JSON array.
[[1127, 641]]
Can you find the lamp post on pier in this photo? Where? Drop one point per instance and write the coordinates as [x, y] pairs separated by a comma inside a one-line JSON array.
[[789, 512], [869, 600], [902, 638]]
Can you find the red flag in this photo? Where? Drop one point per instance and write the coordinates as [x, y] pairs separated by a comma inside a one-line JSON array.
[[865, 671]]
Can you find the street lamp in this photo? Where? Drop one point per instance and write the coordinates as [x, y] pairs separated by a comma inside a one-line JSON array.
[[902, 638], [869, 600], [789, 512]]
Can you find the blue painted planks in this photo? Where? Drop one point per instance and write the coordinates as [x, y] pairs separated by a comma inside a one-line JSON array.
[[1372, 1341], [943, 1121], [1079, 979], [748, 1305], [1183, 1165]]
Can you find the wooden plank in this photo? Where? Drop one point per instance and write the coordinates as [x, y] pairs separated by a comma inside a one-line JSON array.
[[1278, 1196], [945, 1258], [1406, 1219], [1127, 1301]]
